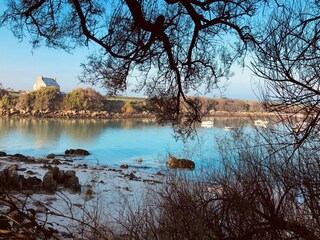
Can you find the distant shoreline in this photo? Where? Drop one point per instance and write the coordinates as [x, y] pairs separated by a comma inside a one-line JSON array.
[[84, 114]]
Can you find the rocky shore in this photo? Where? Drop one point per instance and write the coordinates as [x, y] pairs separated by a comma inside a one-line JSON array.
[[58, 190], [72, 114], [57, 172], [86, 114]]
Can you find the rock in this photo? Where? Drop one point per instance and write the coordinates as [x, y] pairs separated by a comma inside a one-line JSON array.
[[180, 163], [73, 184], [80, 152], [55, 171], [43, 161], [2, 154], [11, 180], [159, 174], [131, 176], [41, 209], [30, 172], [15, 181], [56, 162], [139, 160], [32, 183], [51, 155], [70, 173], [60, 177], [89, 194], [20, 156], [12, 170], [48, 183], [71, 181], [46, 166], [124, 166]]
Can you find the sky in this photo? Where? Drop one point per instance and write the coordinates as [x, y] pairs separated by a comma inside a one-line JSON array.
[[20, 65]]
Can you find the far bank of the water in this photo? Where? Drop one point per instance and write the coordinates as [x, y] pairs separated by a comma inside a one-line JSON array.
[[86, 114]]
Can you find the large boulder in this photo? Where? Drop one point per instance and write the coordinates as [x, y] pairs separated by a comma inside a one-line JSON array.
[[11, 180], [21, 157], [49, 183], [32, 183], [180, 163], [81, 152], [55, 177], [72, 183]]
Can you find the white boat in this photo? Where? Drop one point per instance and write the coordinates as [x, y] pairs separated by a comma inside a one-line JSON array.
[[207, 124], [260, 123], [228, 128]]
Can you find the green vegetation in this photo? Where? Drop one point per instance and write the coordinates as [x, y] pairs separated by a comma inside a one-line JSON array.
[[49, 99], [84, 99], [46, 99]]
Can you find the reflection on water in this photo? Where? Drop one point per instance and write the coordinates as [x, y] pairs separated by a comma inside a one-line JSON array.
[[77, 129], [236, 122], [109, 141]]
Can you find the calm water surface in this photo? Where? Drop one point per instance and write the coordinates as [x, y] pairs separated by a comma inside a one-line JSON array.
[[110, 142]]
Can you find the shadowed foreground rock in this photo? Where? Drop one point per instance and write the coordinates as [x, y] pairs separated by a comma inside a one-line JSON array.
[[11, 180], [55, 177], [180, 163]]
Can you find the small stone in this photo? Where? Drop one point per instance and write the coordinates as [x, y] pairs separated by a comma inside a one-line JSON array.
[[131, 176], [139, 160], [51, 155], [124, 166], [56, 161], [46, 166], [89, 194], [30, 172]]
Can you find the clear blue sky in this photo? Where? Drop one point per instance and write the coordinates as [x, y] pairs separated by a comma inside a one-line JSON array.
[[20, 66]]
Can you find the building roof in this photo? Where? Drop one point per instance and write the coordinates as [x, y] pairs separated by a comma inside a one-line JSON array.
[[50, 82]]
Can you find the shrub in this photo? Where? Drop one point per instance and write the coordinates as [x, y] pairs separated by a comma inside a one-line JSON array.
[[128, 108], [84, 99], [46, 98], [7, 101], [25, 101]]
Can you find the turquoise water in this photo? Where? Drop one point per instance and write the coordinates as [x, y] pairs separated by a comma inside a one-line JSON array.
[[110, 142]]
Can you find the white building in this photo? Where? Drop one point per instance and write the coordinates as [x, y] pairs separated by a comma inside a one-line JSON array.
[[45, 82]]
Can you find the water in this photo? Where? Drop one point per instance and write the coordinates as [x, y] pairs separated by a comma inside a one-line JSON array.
[[110, 142]]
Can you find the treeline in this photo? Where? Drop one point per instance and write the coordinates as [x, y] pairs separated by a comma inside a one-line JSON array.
[[235, 105], [50, 99]]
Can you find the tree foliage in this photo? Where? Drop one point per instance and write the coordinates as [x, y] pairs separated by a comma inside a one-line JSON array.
[[173, 48], [288, 57], [46, 99], [84, 99], [25, 101]]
